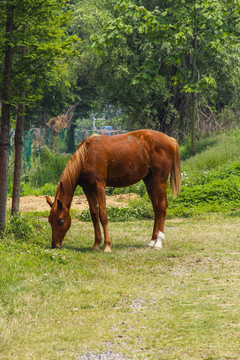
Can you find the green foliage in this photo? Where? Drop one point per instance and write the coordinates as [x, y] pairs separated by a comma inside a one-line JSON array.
[[137, 210], [211, 178], [151, 60], [24, 228], [45, 173], [41, 47], [47, 168], [224, 150], [201, 145], [219, 195], [138, 189], [20, 228]]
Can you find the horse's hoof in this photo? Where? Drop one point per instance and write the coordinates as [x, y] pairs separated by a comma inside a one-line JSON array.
[[152, 243], [160, 238], [107, 250]]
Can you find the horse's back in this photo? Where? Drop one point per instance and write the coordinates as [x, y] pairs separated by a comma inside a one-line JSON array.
[[145, 137], [124, 159]]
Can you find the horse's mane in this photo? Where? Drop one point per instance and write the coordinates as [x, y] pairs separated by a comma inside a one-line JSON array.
[[70, 175], [72, 170]]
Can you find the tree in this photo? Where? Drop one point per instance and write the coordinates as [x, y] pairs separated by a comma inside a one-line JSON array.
[[40, 45], [162, 58], [111, 71], [5, 114]]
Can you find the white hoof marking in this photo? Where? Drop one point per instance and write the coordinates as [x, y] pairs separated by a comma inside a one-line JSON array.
[[152, 243], [160, 238]]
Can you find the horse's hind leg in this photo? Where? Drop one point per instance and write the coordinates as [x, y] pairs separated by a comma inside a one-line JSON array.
[[92, 201], [101, 195], [157, 193], [161, 211]]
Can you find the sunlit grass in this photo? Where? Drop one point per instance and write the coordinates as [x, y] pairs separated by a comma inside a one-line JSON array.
[[178, 303], [222, 150]]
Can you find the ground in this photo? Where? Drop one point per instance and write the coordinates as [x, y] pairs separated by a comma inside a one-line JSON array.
[[38, 203]]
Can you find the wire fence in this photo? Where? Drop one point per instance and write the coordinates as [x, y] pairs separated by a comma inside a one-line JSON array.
[[62, 142]]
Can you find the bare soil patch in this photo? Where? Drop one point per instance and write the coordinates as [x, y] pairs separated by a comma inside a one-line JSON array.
[[38, 203]]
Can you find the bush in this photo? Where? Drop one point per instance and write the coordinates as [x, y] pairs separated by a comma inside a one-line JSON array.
[[20, 227], [26, 229]]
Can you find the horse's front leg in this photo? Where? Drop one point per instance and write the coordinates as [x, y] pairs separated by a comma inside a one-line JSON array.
[[92, 201], [101, 195]]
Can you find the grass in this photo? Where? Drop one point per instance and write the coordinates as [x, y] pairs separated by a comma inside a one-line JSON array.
[[178, 303]]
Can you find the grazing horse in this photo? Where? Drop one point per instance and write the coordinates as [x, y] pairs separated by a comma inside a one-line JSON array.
[[117, 161]]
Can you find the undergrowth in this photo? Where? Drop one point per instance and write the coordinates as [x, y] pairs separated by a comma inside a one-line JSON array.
[[24, 228]]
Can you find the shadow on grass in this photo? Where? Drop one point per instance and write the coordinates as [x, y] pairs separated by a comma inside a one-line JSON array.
[[113, 247]]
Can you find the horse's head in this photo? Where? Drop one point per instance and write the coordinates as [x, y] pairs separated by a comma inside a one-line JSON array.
[[60, 221]]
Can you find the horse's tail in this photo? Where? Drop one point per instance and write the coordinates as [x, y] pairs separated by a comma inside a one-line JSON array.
[[175, 175]]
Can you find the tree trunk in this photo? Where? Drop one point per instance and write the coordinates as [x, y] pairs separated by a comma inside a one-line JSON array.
[[181, 127], [194, 117], [18, 146], [18, 160], [194, 81], [5, 117], [71, 139]]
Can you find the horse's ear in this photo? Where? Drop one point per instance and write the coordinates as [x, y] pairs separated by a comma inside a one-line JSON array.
[[60, 204], [49, 201]]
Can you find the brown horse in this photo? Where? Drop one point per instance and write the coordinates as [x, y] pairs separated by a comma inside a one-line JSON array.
[[117, 161]]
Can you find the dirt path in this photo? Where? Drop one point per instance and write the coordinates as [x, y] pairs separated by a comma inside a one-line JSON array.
[[38, 203]]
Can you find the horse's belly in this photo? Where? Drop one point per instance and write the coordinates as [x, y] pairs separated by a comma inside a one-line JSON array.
[[126, 175]]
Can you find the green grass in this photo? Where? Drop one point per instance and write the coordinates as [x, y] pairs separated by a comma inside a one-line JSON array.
[[213, 152], [178, 303]]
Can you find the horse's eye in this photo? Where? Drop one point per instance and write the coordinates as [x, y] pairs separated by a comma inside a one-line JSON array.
[[60, 221]]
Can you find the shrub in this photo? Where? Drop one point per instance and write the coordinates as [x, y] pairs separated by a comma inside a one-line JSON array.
[[20, 227], [26, 229]]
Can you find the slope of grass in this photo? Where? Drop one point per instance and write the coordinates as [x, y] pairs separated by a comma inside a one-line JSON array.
[[211, 179], [213, 152]]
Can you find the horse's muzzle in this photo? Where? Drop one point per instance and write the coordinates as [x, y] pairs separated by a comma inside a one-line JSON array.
[[56, 246]]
